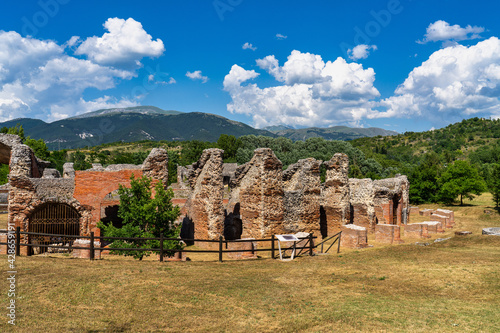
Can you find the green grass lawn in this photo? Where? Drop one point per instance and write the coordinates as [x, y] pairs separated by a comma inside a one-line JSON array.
[[450, 286]]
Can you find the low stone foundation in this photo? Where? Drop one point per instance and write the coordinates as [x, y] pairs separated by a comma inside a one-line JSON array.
[[443, 219], [417, 230], [353, 236], [426, 212], [85, 253], [449, 214], [434, 227], [247, 249], [388, 233]]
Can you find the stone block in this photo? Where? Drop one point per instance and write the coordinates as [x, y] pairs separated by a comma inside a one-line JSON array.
[[434, 227], [448, 213], [353, 236], [414, 211], [417, 230], [443, 219], [85, 253], [247, 249], [388, 233], [426, 212]]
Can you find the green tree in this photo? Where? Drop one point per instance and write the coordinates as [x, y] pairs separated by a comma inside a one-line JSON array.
[[80, 161], [423, 180], [39, 148], [460, 179], [4, 173], [494, 183], [144, 216], [230, 145], [17, 130]]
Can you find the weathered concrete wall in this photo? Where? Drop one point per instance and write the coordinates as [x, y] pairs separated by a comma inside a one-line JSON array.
[[302, 194], [257, 195], [205, 208], [335, 194]]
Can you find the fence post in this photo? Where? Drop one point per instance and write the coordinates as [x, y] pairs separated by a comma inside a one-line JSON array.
[[91, 245], [161, 247], [311, 244], [338, 246], [272, 246], [18, 241], [220, 248]]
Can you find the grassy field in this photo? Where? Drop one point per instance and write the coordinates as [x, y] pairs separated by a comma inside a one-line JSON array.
[[449, 286]]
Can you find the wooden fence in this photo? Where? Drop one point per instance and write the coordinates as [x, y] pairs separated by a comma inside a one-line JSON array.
[[308, 247]]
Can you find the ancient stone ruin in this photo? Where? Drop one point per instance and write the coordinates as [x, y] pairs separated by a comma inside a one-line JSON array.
[[264, 200], [40, 200], [252, 201]]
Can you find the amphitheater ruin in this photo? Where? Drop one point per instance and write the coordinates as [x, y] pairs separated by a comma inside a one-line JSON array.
[[254, 200]]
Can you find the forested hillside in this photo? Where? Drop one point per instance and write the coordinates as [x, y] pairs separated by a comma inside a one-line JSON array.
[[444, 165]]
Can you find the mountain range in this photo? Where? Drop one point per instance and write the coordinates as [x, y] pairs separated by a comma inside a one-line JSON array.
[[152, 123]]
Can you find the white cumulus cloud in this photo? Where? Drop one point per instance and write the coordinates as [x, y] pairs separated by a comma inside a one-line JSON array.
[[312, 92], [455, 82], [361, 51], [442, 31], [248, 46], [39, 79], [124, 45], [196, 75], [281, 37]]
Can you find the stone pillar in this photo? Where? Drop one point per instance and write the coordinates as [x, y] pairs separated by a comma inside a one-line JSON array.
[[204, 207], [257, 195], [155, 165], [361, 198], [302, 190], [335, 194], [353, 236]]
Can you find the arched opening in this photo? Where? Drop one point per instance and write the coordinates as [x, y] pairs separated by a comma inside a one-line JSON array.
[[53, 218], [110, 215]]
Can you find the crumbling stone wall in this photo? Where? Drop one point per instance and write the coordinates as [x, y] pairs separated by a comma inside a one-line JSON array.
[[335, 194], [155, 165], [361, 196], [392, 200], [205, 210], [302, 193], [257, 195], [82, 190]]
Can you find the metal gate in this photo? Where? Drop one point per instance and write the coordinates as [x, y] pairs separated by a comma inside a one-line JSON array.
[[53, 218]]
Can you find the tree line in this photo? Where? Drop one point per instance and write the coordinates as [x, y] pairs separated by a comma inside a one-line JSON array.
[[435, 174]]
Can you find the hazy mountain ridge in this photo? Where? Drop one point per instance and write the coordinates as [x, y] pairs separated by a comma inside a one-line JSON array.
[[152, 123], [332, 133]]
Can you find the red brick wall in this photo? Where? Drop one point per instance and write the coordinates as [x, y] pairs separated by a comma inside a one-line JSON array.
[[92, 186]]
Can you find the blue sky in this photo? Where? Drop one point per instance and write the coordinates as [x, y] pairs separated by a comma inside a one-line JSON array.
[[407, 65]]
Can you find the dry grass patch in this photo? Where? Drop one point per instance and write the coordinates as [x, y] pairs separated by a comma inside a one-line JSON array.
[[447, 287], [3, 221]]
